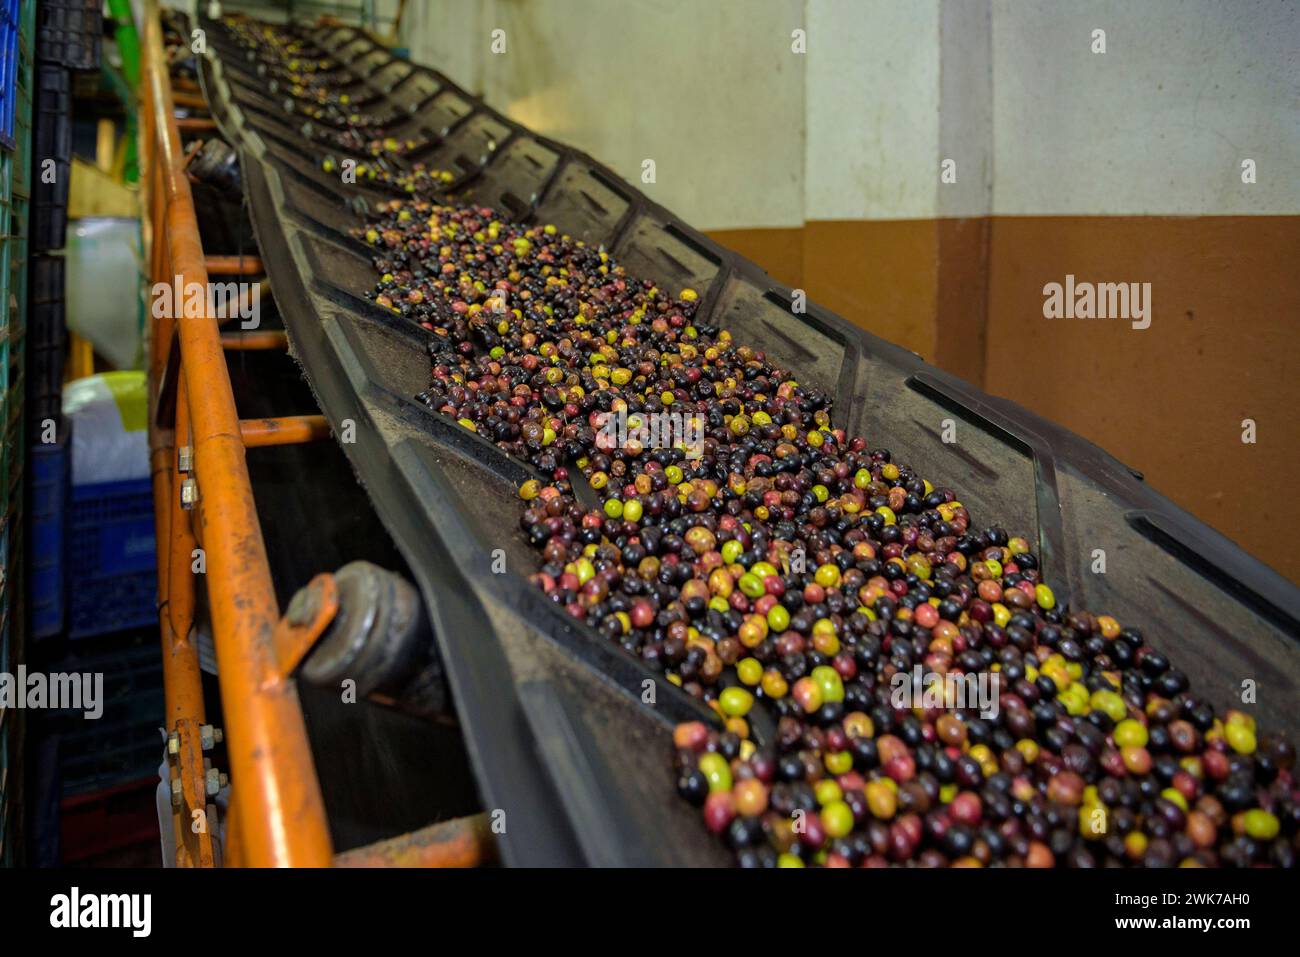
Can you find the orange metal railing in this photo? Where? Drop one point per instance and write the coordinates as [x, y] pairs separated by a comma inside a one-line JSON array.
[[277, 815], [203, 506]]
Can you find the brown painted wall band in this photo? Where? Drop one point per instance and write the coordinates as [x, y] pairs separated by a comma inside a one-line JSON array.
[[1169, 400]]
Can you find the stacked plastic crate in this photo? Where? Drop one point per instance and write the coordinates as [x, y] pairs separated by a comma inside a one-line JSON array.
[[68, 34], [17, 21]]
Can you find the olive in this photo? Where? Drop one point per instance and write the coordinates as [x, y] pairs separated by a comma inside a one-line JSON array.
[[787, 572]]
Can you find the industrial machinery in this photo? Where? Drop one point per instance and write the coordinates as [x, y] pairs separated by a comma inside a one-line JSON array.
[[565, 733]]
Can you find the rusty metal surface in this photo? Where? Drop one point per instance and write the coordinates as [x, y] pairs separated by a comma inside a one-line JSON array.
[[280, 809], [463, 842], [272, 340], [233, 266], [195, 817], [284, 430]]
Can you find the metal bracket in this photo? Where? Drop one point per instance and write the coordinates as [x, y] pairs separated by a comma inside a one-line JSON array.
[[190, 792], [310, 612]]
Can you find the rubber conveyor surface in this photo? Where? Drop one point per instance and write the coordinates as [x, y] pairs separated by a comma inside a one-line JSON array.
[[554, 714]]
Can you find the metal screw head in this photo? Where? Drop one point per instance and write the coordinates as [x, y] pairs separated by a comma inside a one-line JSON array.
[[185, 458], [212, 782], [189, 493]]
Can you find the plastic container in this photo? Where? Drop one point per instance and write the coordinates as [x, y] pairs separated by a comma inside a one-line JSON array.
[[47, 325], [9, 37], [70, 32], [109, 417], [112, 558], [122, 743], [47, 508], [103, 288], [44, 372], [109, 821], [17, 21], [51, 144]]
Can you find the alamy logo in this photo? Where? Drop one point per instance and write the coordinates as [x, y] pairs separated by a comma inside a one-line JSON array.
[[1104, 300], [214, 300], [133, 911], [932, 689], [634, 432], [73, 692]]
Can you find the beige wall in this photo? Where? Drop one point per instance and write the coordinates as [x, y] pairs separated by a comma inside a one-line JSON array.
[[626, 83], [824, 168]]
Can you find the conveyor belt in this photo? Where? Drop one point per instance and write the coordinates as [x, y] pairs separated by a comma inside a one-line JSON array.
[[555, 716]]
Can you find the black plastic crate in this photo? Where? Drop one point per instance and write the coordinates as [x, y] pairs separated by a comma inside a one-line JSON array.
[[47, 325], [123, 742], [42, 407], [51, 144], [69, 33], [47, 558], [47, 283], [44, 372]]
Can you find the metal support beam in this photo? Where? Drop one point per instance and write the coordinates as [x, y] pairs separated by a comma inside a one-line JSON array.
[[276, 795], [462, 842], [272, 341], [287, 430]]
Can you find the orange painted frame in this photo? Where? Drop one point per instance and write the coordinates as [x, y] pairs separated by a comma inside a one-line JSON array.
[[276, 816], [277, 808]]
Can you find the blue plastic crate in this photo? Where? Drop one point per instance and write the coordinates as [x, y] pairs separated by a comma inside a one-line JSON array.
[[46, 510], [112, 559], [9, 24]]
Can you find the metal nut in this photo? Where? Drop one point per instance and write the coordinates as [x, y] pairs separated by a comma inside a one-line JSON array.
[[185, 458], [207, 737], [173, 744], [178, 795], [189, 493], [212, 782]]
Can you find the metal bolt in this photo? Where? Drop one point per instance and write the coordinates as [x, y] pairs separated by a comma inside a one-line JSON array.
[[212, 781], [189, 493], [185, 458], [173, 744], [304, 607], [178, 795]]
